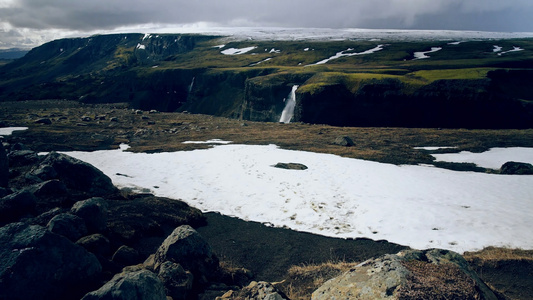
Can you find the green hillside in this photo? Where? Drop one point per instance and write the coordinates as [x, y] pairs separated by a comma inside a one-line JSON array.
[[468, 84]]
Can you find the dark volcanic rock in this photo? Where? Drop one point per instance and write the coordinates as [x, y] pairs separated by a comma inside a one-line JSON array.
[[22, 157], [177, 281], [44, 121], [291, 166], [141, 284], [76, 174], [96, 244], [188, 248], [94, 212], [16, 205], [126, 256], [4, 167], [516, 168], [38, 264], [70, 226]]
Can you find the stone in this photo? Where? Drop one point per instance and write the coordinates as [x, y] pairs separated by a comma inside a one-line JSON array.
[[38, 264], [291, 166], [141, 285], [345, 141], [16, 205], [50, 188], [516, 168], [410, 274], [94, 212], [126, 256], [185, 246], [114, 119], [68, 225], [44, 121], [22, 158], [76, 174], [4, 167], [96, 244], [86, 118], [261, 290], [177, 281]]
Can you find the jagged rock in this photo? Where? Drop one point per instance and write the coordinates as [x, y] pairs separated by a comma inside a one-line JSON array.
[[16, 205], [50, 188], [100, 117], [345, 141], [291, 166], [76, 174], [410, 274], [38, 264], [186, 247], [86, 118], [516, 168], [44, 121], [114, 119], [94, 212], [70, 226], [142, 285], [126, 256], [4, 167], [177, 281], [258, 291], [96, 244], [4, 192], [19, 146], [22, 158]]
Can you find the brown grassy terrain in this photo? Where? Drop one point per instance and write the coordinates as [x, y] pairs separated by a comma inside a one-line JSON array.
[[509, 271]]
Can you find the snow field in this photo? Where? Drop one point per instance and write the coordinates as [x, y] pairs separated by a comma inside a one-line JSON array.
[[422, 207]]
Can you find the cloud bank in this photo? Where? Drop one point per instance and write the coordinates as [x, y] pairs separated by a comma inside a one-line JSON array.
[[40, 20]]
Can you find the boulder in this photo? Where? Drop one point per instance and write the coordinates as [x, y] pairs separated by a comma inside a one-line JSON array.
[[68, 225], [516, 168], [38, 264], [141, 285], [97, 244], [126, 256], [76, 174], [345, 141], [45, 121], [185, 246], [291, 166], [15, 206], [410, 274], [4, 167], [177, 281], [257, 291], [47, 189], [22, 158], [94, 212]]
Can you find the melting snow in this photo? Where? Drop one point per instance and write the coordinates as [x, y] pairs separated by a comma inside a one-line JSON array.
[[235, 51], [497, 49], [264, 60], [422, 55], [343, 53], [422, 207], [515, 49], [274, 51], [213, 141], [493, 159], [9, 130], [139, 46]]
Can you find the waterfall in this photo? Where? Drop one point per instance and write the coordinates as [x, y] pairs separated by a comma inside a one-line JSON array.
[[191, 85], [290, 103]]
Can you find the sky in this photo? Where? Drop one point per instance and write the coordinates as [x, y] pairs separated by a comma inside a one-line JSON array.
[[28, 23]]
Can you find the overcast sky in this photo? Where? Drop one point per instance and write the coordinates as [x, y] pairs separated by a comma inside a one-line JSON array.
[[32, 22]]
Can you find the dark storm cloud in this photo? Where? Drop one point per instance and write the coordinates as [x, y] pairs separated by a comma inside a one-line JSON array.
[[94, 15]]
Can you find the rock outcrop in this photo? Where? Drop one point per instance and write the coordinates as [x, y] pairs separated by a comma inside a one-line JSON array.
[[410, 274], [516, 168], [4, 167], [39, 264], [142, 285]]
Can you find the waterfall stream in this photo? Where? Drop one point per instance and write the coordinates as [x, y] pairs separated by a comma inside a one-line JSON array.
[[290, 104], [191, 85]]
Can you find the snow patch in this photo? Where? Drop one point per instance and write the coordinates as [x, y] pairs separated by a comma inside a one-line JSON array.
[[235, 51], [493, 159], [213, 141], [497, 49], [274, 51], [422, 55], [515, 49], [432, 148], [219, 46], [9, 130], [343, 53], [140, 46], [422, 207], [264, 60]]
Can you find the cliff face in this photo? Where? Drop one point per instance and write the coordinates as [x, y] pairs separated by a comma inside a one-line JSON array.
[[188, 73]]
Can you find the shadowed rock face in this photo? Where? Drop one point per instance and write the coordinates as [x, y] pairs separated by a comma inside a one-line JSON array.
[[50, 264]]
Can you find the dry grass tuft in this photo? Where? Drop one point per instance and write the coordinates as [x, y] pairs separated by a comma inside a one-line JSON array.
[[429, 281], [301, 281], [492, 254]]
